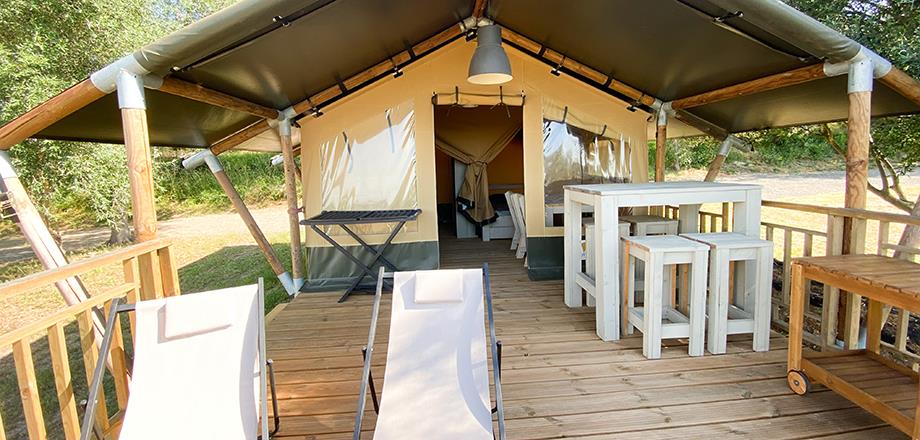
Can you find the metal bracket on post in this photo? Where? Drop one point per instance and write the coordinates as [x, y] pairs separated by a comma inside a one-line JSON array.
[[663, 114], [860, 76], [862, 68], [130, 87]]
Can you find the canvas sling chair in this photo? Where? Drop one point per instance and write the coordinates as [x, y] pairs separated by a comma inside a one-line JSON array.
[[436, 384], [199, 368]]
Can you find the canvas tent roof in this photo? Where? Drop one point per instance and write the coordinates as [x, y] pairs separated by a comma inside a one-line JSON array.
[[281, 53]]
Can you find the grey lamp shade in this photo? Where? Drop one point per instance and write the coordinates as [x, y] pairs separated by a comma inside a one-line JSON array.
[[489, 65]]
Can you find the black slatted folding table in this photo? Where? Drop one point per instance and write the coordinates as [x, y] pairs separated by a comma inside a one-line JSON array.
[[344, 219]]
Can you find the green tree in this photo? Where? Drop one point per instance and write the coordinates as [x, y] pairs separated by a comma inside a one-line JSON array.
[[891, 28], [46, 46]]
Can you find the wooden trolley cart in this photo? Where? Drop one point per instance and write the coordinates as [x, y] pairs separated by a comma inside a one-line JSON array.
[[883, 281]]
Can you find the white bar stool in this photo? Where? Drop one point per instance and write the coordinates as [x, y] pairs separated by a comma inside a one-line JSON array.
[[726, 318], [643, 225], [589, 251], [654, 319]]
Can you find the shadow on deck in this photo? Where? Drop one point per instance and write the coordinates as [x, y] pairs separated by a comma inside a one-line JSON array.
[[558, 379]]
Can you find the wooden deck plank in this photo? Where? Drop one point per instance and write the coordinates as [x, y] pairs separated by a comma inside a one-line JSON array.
[[559, 379]]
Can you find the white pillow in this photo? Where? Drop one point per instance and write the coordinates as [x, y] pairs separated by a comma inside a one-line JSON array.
[[438, 286]]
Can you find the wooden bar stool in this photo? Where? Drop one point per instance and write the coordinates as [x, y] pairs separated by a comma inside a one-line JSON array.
[[726, 318], [589, 251], [654, 319]]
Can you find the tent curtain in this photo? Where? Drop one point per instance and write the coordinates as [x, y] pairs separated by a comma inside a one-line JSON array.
[[473, 198]]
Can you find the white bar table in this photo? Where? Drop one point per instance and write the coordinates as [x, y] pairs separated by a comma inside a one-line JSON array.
[[606, 199]]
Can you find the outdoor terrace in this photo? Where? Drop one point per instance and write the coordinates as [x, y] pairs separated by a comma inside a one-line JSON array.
[[559, 379]]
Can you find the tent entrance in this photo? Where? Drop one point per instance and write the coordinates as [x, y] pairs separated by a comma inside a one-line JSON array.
[[479, 157]]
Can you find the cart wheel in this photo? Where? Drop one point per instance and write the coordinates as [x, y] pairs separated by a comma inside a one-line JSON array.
[[798, 382]]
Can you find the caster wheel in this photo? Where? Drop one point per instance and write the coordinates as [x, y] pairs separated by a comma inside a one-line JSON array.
[[798, 382]]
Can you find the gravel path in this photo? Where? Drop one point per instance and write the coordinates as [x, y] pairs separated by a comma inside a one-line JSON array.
[[273, 219]]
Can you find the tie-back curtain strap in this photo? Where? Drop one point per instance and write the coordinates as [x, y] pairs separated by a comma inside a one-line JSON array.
[[488, 156]]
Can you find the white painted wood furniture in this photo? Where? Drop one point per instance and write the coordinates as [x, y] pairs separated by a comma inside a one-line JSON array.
[[643, 225], [518, 229], [726, 318], [517, 207], [605, 200], [501, 229], [589, 252], [656, 318]]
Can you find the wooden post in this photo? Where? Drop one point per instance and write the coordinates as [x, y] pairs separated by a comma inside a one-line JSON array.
[[859, 92], [36, 232], [716, 164], [661, 145], [140, 162], [290, 193]]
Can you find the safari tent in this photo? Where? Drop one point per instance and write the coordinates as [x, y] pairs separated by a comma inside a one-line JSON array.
[[230, 80], [374, 99]]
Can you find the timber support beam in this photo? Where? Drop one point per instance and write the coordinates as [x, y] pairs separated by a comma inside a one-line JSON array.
[[213, 163], [195, 92], [290, 194], [661, 144]]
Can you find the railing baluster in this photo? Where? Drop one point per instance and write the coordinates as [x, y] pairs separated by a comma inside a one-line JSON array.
[[151, 283], [787, 264], [60, 363], [713, 226], [90, 357], [808, 244], [2, 429], [901, 328], [119, 363], [831, 300], [725, 212], [129, 267], [883, 228], [28, 390], [168, 272]]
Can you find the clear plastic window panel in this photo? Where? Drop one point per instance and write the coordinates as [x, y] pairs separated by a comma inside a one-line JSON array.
[[576, 151], [371, 166]]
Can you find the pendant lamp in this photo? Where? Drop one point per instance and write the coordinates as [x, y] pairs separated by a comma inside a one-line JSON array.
[[489, 65]]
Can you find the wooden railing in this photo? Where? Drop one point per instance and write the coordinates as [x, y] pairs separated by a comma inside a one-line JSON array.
[[148, 272], [824, 235]]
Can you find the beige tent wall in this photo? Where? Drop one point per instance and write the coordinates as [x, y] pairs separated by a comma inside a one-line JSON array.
[[441, 72]]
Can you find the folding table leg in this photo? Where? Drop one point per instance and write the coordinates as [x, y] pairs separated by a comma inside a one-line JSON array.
[[370, 248], [348, 254]]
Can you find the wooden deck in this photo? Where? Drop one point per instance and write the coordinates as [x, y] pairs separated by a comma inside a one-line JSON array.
[[558, 379]]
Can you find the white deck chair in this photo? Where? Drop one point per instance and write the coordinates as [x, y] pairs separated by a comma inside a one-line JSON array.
[[198, 368], [509, 196], [436, 384]]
